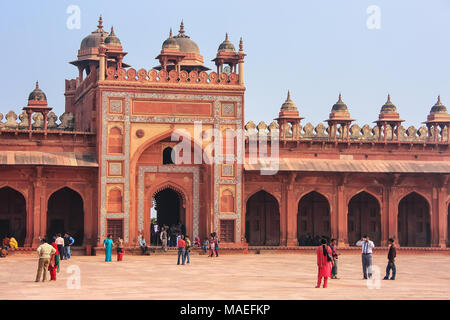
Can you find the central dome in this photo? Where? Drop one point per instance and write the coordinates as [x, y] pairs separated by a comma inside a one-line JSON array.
[[185, 43], [93, 40]]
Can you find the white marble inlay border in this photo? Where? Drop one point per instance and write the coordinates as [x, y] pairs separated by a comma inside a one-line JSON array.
[[195, 170]]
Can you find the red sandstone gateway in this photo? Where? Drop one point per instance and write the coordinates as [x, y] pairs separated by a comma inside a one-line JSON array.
[[107, 163]]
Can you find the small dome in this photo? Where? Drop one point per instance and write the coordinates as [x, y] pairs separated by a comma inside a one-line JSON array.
[[388, 107], [94, 39], [112, 39], [185, 43], [37, 94], [170, 42], [438, 107], [339, 106], [289, 104], [226, 45]]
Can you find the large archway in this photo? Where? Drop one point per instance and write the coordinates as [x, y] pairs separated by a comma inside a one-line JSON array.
[[65, 214], [414, 228], [168, 211], [13, 215], [313, 219], [364, 218], [262, 220]]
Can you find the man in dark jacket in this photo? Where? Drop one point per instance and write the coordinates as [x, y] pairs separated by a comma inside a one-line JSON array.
[[391, 260]]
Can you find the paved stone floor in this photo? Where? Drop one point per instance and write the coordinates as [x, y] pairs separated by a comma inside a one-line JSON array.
[[234, 277]]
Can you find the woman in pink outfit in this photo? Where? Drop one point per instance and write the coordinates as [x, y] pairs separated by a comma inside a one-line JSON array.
[[324, 262]]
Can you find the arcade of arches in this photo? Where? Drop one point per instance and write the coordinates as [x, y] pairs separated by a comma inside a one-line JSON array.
[[314, 220]]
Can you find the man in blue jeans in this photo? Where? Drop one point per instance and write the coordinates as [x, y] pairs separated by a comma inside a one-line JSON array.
[[334, 255], [181, 250], [391, 260], [68, 242]]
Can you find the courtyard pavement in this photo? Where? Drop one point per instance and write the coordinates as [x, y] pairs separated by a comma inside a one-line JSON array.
[[229, 277]]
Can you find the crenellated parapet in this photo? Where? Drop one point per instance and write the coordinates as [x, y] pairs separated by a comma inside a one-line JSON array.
[[162, 76], [11, 121], [366, 133], [388, 127]]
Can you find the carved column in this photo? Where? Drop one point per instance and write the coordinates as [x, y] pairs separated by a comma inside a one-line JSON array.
[[284, 210], [388, 221], [341, 207], [291, 212], [88, 215], [443, 211], [434, 215], [30, 216], [39, 216]]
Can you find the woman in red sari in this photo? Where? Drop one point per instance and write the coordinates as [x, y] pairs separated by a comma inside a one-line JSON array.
[[54, 263], [324, 262]]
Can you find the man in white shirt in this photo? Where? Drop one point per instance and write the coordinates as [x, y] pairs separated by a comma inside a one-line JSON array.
[[60, 243], [367, 245]]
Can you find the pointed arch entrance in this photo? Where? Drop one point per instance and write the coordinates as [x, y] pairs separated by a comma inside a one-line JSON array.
[[168, 204], [414, 228], [262, 220], [13, 215], [364, 218], [65, 213], [313, 219]]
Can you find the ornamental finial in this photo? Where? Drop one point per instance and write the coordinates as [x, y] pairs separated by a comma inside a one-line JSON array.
[[100, 22], [181, 27]]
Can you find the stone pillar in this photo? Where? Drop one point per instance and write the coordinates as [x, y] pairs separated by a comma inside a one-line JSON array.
[[385, 214], [38, 210], [30, 216], [87, 208], [291, 214], [393, 214], [442, 214], [342, 209], [284, 208], [241, 73]]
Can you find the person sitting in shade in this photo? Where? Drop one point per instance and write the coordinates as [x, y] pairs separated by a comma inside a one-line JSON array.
[[13, 243], [6, 243], [142, 244], [205, 245]]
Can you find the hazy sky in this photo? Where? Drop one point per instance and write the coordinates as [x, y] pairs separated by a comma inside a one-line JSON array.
[[314, 48]]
